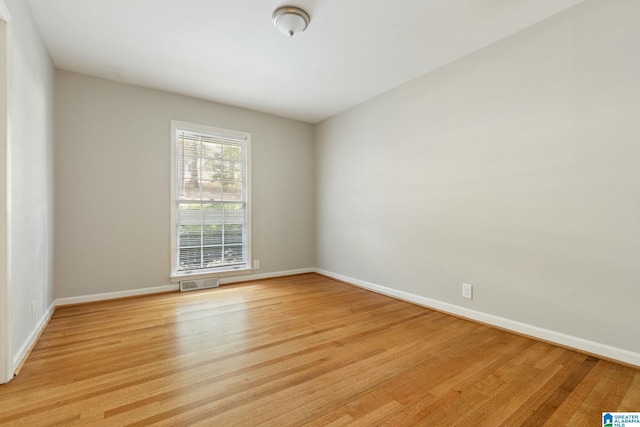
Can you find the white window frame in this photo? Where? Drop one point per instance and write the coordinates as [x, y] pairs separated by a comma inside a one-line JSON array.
[[210, 272], [7, 367]]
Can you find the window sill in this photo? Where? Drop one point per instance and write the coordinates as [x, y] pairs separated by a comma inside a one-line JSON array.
[[175, 278]]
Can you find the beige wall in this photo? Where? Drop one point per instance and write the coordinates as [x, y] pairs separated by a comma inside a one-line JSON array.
[[29, 178], [515, 169], [112, 184]]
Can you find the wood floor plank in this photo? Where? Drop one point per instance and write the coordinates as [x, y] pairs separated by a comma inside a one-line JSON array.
[[300, 350]]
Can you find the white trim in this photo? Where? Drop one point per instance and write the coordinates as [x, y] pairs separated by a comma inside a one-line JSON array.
[[6, 367], [236, 279], [33, 337], [246, 156], [4, 12], [170, 288], [209, 274], [565, 340], [114, 295]]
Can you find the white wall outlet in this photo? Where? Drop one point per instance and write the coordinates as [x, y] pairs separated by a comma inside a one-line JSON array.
[[467, 291], [33, 310], [256, 264]]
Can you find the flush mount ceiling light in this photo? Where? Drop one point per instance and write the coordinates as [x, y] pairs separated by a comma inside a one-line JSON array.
[[290, 20]]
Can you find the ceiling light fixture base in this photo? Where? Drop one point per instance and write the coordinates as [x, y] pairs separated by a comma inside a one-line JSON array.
[[290, 20]]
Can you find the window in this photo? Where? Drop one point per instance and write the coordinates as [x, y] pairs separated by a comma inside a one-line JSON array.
[[210, 209]]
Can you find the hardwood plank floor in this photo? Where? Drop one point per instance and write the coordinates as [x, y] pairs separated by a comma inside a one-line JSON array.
[[300, 350]]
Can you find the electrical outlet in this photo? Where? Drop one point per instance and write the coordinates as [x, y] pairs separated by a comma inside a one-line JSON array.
[[467, 291], [33, 310], [256, 264]]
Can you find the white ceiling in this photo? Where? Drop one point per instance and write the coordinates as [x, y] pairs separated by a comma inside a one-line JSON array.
[[229, 50]]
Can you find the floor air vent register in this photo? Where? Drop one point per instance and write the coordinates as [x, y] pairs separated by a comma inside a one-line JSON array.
[[194, 285]]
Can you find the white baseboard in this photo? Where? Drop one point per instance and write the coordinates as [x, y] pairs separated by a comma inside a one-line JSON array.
[[32, 338], [559, 338], [168, 288], [235, 279], [113, 295]]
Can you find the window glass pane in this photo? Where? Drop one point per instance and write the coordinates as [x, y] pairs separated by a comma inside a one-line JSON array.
[[212, 169], [211, 190], [187, 147], [212, 257], [190, 214], [233, 254], [233, 213], [212, 234], [232, 191], [189, 259], [232, 152], [189, 178], [213, 213], [209, 201], [232, 171], [212, 151], [190, 235], [233, 233]]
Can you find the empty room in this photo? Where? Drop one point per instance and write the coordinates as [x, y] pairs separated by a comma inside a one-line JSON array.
[[256, 212]]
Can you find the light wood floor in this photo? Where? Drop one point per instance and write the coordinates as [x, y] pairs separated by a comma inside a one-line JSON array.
[[301, 350]]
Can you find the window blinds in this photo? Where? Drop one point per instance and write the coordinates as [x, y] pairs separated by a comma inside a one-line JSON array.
[[211, 201]]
